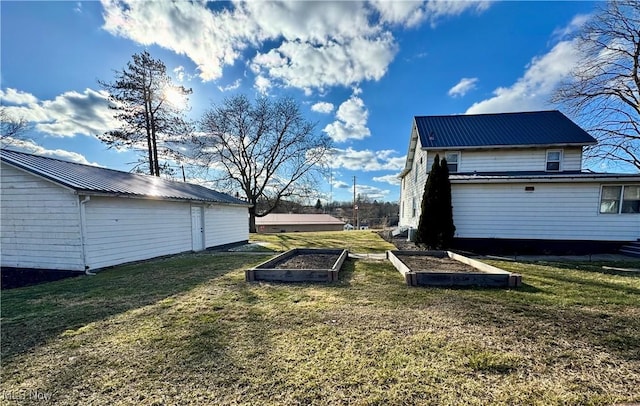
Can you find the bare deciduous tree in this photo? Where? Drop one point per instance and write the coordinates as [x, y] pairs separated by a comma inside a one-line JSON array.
[[266, 149], [604, 90], [151, 109], [12, 127]]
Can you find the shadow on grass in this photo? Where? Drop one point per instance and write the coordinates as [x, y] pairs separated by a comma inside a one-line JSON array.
[[576, 307], [598, 267], [346, 272], [33, 315], [618, 332]]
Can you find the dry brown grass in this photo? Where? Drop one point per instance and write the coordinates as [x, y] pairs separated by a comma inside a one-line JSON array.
[[189, 330]]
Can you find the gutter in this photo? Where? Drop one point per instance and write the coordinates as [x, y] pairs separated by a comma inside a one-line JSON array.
[[547, 179], [504, 146]]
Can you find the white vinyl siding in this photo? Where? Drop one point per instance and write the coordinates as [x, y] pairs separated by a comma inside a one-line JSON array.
[[413, 186], [556, 211], [40, 223], [225, 225], [514, 160], [124, 230], [489, 160]]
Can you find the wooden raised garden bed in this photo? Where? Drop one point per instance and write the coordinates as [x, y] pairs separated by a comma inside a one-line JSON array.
[[446, 268], [300, 265]]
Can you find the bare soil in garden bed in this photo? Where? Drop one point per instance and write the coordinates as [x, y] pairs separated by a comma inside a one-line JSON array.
[[422, 263], [308, 261]]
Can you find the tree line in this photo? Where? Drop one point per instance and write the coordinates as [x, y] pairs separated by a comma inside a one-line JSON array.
[[371, 213]]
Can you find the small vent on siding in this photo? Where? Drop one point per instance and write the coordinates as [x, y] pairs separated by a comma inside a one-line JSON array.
[[529, 188]]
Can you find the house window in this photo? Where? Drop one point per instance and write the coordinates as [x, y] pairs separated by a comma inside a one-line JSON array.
[[620, 199], [413, 208], [453, 158], [415, 174], [631, 199], [553, 160]]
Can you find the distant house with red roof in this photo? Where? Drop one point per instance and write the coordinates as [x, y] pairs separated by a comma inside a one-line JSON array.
[[287, 223]]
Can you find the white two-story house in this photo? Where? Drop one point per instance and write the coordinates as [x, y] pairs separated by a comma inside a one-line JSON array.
[[517, 184]]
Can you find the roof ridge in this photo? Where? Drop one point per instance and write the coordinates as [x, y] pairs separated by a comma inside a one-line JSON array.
[[491, 114], [70, 162]]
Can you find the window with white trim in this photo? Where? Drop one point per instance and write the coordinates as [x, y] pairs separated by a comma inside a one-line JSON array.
[[554, 160], [453, 159], [620, 199], [631, 199], [413, 208]]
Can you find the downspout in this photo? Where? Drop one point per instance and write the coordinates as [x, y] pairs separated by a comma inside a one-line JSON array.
[[83, 232]]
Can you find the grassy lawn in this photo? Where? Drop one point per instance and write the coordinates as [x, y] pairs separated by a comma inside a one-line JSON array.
[[364, 241], [189, 330]]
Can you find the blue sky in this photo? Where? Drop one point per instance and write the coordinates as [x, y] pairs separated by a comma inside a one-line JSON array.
[[360, 70]]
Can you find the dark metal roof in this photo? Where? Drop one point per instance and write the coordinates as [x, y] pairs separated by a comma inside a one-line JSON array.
[[536, 128], [94, 180]]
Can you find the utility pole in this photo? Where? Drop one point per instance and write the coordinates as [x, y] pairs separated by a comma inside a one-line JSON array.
[[355, 206], [330, 190]]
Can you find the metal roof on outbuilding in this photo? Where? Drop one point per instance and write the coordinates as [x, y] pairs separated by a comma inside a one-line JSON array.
[[86, 179], [536, 128]]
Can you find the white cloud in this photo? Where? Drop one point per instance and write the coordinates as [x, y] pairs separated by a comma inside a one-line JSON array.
[[181, 74], [310, 66], [341, 185], [312, 22], [463, 87], [69, 114], [236, 84], [576, 24], [314, 44], [533, 90], [371, 192], [410, 13], [32, 148], [210, 40], [262, 84], [351, 121], [13, 96], [438, 9], [322, 107], [366, 160], [390, 179]]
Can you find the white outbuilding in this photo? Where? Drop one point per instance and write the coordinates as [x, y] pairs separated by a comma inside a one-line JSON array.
[[61, 215]]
